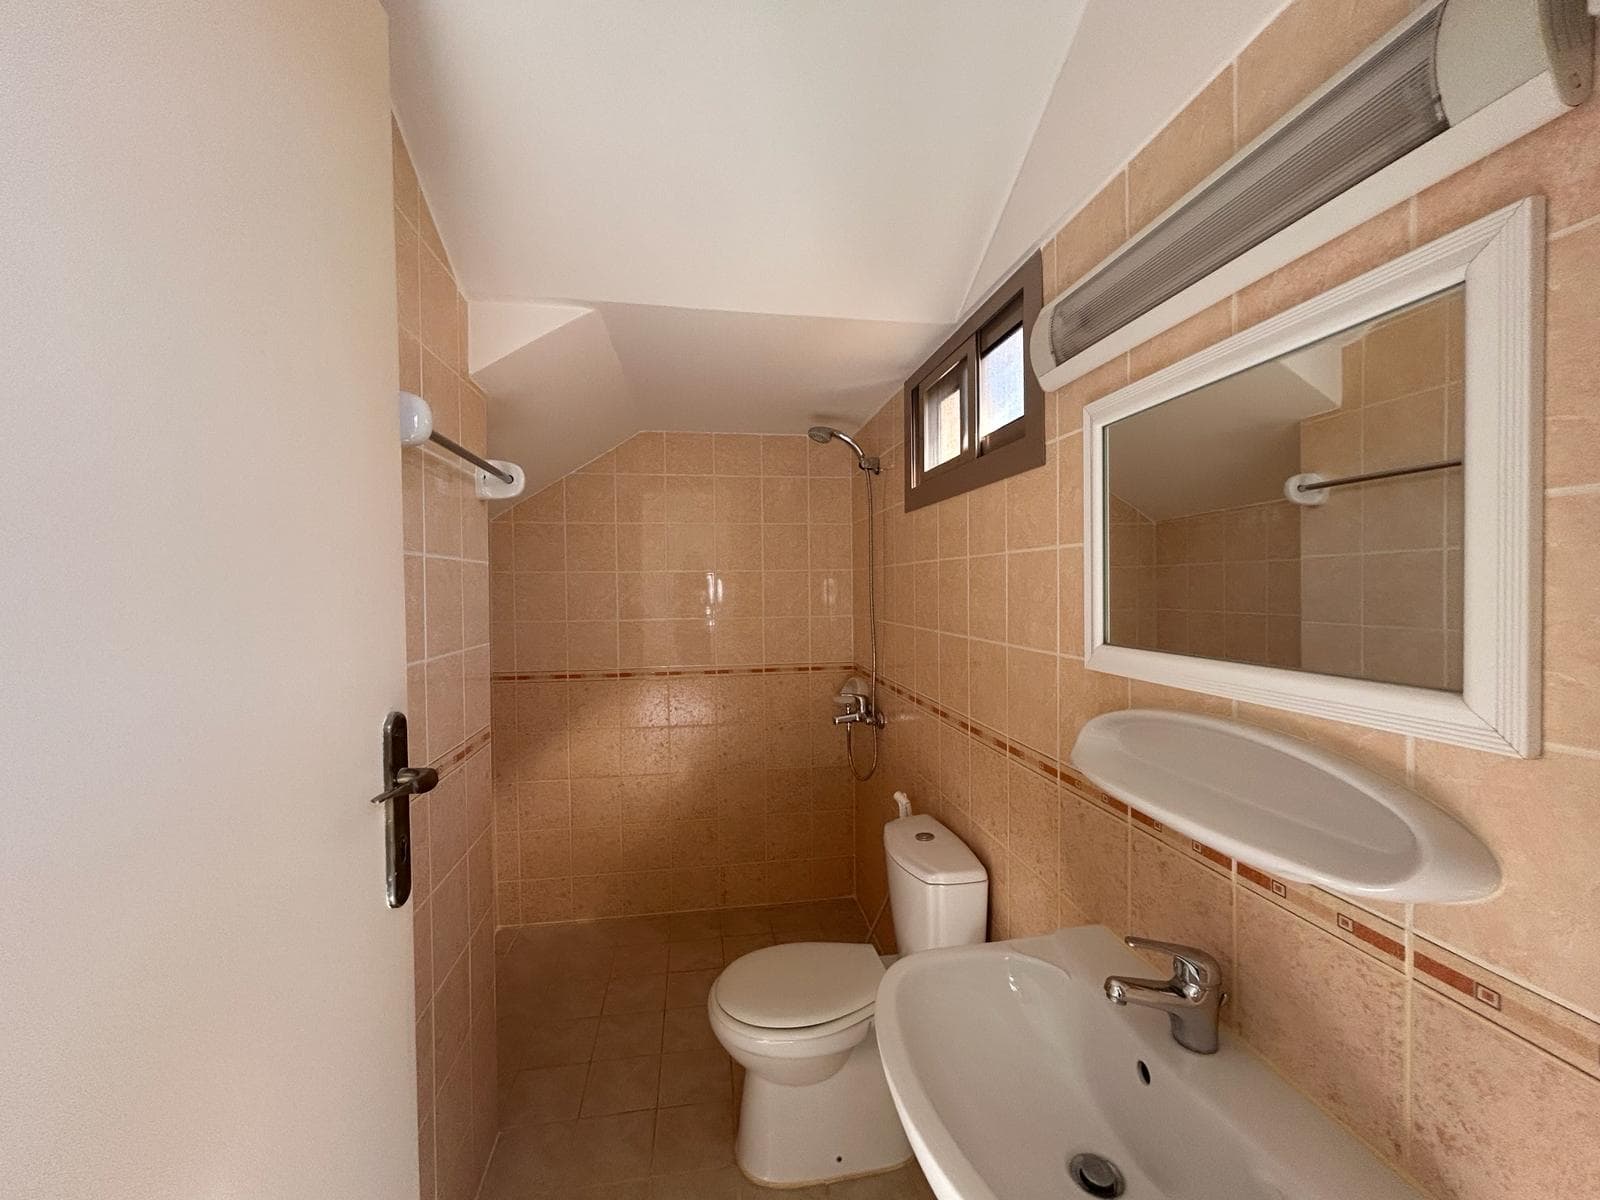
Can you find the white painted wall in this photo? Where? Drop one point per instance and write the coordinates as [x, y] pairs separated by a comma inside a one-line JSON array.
[[202, 993]]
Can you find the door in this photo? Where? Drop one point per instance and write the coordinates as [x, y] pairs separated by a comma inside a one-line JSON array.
[[202, 990]]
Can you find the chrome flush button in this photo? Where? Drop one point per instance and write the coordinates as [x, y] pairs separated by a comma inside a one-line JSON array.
[[924, 837]]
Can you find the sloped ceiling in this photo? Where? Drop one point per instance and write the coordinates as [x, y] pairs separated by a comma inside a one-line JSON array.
[[1233, 442], [732, 215]]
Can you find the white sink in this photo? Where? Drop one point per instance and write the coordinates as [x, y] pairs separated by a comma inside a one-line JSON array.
[[1006, 1060]]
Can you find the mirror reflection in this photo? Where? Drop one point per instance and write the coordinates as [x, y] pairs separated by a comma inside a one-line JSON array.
[[1304, 513]]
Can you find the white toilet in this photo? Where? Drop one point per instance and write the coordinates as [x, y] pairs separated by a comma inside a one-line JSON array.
[[798, 1018]]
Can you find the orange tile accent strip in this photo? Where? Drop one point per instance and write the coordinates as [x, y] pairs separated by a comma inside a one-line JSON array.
[[1259, 878], [663, 672], [452, 759], [1039, 763], [1216, 856], [1444, 974], [1375, 939], [1304, 903]]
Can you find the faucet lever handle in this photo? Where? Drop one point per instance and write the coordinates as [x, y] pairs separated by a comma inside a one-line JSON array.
[[1189, 962]]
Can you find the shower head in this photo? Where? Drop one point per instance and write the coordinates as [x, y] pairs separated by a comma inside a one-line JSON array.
[[823, 434]]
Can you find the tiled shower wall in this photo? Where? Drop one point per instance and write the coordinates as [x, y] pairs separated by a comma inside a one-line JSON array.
[[1227, 584], [1366, 584], [1382, 567], [1461, 1042], [447, 681], [670, 623]]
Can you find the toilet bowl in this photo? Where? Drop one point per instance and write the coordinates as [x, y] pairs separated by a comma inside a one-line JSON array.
[[798, 1018]]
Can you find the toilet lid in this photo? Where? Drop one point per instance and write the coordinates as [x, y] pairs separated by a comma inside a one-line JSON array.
[[799, 984]]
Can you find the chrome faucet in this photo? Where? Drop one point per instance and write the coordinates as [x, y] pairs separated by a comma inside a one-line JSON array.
[[860, 713], [1190, 998]]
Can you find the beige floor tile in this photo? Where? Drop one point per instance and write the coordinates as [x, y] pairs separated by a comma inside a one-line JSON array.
[[793, 917], [631, 1189], [648, 958], [754, 1191], [804, 933], [736, 921], [621, 1085], [697, 955], [718, 1183], [736, 945], [560, 998], [847, 927], [692, 1137], [524, 1044], [687, 1029], [634, 994], [542, 1095], [635, 931], [538, 1159], [905, 1184], [628, 1035], [694, 1077], [689, 989], [693, 926]]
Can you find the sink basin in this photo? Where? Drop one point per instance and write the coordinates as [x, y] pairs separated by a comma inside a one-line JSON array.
[[1006, 1061]]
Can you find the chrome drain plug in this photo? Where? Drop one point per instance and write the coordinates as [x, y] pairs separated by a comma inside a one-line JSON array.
[[1096, 1174]]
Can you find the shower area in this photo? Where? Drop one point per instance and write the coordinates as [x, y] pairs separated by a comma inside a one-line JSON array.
[[682, 669]]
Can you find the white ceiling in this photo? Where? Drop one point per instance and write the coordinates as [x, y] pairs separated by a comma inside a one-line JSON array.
[[740, 215], [1230, 443]]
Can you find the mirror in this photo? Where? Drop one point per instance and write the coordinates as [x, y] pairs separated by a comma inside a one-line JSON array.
[[1222, 544], [1337, 511]]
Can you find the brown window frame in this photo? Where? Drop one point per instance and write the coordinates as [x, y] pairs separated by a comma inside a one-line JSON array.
[[1013, 448]]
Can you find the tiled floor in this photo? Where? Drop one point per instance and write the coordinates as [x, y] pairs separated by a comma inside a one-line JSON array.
[[612, 1086]]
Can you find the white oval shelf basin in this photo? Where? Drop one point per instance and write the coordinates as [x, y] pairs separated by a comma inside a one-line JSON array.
[[1006, 1061], [1285, 806]]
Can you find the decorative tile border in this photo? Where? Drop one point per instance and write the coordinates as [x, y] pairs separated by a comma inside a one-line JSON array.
[[665, 672], [1563, 1032], [1040, 764], [1380, 939], [452, 759], [1570, 1036]]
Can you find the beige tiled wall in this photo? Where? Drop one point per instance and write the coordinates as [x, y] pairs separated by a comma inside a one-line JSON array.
[[1366, 584], [447, 680], [1227, 584], [662, 732], [1382, 561], [1131, 547], [1461, 1042]]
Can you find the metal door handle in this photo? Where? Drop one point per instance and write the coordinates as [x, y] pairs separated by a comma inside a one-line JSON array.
[[409, 781], [401, 782]]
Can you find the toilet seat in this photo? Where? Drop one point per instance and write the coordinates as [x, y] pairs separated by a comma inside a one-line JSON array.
[[799, 986], [813, 1041]]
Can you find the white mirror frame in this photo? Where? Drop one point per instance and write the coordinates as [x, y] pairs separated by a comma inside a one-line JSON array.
[[1500, 259]]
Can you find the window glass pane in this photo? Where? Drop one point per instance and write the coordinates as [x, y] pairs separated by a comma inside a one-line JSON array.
[[1000, 384], [941, 419]]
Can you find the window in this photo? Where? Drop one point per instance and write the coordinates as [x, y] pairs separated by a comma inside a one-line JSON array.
[[974, 411]]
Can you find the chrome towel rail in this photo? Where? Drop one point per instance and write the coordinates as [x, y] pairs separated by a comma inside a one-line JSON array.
[[460, 451], [494, 481], [1323, 485]]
